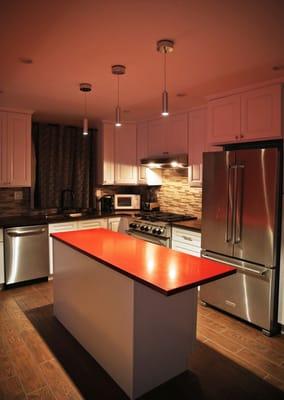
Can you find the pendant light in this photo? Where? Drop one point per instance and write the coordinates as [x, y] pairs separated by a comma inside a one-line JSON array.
[[118, 70], [165, 46], [85, 88]]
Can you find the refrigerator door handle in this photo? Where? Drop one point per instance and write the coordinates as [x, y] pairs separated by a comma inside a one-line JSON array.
[[260, 271], [238, 204], [230, 205]]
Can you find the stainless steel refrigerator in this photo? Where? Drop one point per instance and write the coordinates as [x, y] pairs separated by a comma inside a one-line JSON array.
[[240, 221]]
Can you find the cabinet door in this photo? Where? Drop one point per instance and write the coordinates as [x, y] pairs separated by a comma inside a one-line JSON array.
[[59, 227], [195, 175], [157, 137], [19, 130], [224, 120], [5, 175], [92, 224], [2, 279], [108, 154], [113, 224], [177, 134], [142, 149], [261, 113], [125, 154], [281, 277], [197, 135]]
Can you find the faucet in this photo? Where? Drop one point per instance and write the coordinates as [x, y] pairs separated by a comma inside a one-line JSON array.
[[63, 199]]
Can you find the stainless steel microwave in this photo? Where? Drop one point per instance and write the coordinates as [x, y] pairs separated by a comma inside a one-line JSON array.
[[127, 201]]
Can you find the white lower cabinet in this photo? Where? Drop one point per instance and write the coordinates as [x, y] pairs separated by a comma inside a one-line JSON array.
[[113, 223], [2, 275], [71, 226], [92, 223], [55, 228], [186, 241]]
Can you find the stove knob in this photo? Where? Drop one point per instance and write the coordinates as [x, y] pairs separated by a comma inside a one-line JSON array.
[[133, 225], [154, 230], [159, 231], [142, 228], [147, 228]]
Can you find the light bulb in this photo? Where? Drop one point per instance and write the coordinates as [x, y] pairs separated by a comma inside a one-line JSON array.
[[165, 104], [117, 117], [85, 126]]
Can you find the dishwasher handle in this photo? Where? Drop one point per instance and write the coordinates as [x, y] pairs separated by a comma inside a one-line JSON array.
[[26, 233]]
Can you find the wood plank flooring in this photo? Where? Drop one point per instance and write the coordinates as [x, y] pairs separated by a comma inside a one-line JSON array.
[[39, 359]]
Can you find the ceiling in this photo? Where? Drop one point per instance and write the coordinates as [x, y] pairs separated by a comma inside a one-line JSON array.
[[219, 45]]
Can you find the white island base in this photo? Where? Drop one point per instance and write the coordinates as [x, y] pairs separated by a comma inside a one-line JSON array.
[[140, 336]]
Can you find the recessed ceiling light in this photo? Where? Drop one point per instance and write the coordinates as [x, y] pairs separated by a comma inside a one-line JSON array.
[[278, 67], [25, 60], [181, 94]]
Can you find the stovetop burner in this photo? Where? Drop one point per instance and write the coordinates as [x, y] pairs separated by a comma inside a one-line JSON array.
[[155, 216]]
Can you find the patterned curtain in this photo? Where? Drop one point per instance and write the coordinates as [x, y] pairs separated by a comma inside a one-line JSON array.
[[64, 160]]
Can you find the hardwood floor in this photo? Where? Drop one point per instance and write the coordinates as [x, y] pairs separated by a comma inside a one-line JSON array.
[[39, 359]]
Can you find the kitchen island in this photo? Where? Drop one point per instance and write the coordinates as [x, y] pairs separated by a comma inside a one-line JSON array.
[[131, 304]]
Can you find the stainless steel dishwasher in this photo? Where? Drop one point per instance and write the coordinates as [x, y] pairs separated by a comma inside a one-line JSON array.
[[26, 253]]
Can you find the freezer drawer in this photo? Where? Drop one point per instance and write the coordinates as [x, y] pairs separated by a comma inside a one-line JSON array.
[[26, 253], [246, 294]]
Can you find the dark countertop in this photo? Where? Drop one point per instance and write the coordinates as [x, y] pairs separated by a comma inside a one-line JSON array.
[[29, 220], [194, 224], [165, 270]]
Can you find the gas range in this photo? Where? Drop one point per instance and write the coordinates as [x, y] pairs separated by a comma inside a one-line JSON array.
[[155, 224]]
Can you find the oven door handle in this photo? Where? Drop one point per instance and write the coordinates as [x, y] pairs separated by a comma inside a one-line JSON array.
[[148, 238]]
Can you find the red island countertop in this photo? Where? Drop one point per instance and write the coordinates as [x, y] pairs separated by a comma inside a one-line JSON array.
[[165, 270]]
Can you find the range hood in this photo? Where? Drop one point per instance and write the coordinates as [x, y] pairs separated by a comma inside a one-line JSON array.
[[166, 161]]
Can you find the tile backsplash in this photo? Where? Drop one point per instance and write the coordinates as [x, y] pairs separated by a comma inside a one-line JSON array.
[[175, 195], [10, 206]]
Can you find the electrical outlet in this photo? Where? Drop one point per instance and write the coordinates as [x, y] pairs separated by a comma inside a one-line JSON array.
[[18, 195]]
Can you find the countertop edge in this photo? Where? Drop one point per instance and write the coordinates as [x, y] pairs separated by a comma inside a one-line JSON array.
[[142, 281], [39, 220]]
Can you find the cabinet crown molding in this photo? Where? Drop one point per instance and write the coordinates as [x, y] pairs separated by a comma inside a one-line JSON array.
[[247, 88], [16, 110]]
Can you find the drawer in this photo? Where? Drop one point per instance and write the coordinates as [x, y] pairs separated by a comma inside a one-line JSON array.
[[62, 227], [188, 249], [1, 235], [186, 237], [92, 224]]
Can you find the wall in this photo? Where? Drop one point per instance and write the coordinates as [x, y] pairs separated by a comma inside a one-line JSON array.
[[10, 206], [175, 195]]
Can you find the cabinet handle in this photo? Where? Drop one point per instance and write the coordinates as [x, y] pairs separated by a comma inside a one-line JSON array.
[[236, 137], [187, 238], [242, 136], [165, 152]]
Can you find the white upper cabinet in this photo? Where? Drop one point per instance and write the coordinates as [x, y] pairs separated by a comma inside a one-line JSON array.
[[261, 113], [157, 137], [125, 154], [15, 149], [249, 116], [177, 134], [224, 119], [168, 135], [105, 154], [197, 135], [142, 149]]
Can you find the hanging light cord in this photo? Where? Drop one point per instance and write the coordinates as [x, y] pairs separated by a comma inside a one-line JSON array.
[[118, 90], [85, 104], [165, 70]]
